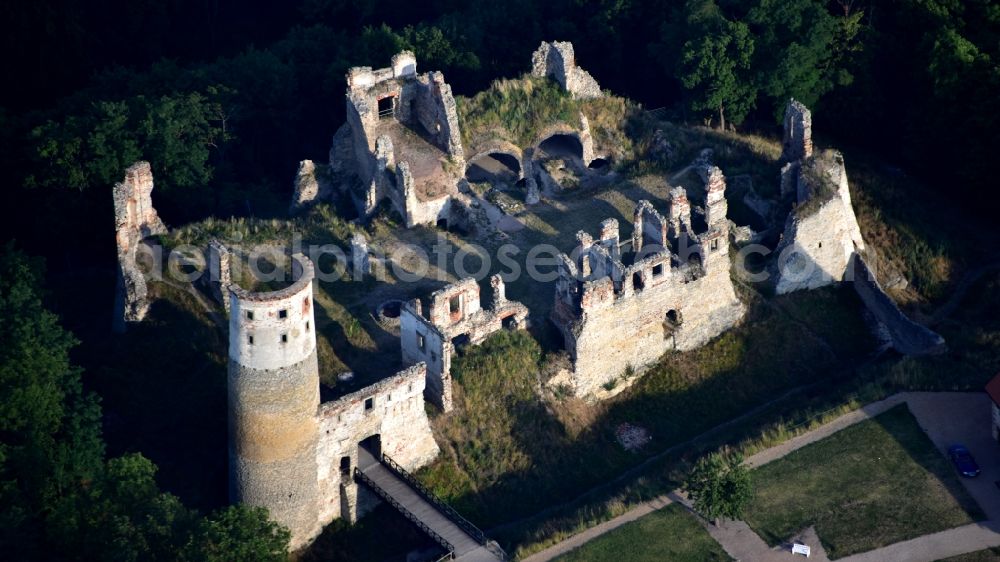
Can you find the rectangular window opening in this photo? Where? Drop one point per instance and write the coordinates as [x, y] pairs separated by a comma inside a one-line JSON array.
[[249, 315], [369, 403], [283, 313], [284, 338]]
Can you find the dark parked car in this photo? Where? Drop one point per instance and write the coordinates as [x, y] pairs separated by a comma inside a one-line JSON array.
[[963, 461]]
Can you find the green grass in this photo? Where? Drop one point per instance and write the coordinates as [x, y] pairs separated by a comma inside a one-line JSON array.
[[507, 454], [668, 535], [988, 555], [516, 110], [870, 485]]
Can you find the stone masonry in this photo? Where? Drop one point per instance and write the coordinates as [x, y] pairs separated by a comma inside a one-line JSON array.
[[135, 219], [623, 304], [287, 451], [455, 318], [556, 60], [420, 102], [797, 142]]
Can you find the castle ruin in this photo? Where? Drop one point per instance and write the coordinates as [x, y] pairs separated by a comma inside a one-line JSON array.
[[621, 304], [135, 220], [455, 318], [287, 451], [556, 60], [403, 128]]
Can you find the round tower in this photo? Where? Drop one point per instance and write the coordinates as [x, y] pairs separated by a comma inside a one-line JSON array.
[[273, 388]]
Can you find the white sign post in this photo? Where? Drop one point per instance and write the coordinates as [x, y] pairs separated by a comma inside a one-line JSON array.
[[800, 549]]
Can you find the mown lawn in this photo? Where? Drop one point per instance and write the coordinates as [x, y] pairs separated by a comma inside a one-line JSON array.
[[668, 535], [873, 484]]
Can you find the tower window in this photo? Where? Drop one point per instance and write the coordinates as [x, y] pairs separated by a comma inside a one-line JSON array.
[[658, 270], [420, 342], [283, 313], [249, 315], [369, 403], [284, 338], [250, 339], [715, 244], [307, 325]]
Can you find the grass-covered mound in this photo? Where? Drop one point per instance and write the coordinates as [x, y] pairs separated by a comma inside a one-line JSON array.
[[520, 110]]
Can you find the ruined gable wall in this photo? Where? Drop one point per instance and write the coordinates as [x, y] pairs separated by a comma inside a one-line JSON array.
[[435, 353], [135, 219], [558, 61], [437, 113], [824, 239], [397, 416]]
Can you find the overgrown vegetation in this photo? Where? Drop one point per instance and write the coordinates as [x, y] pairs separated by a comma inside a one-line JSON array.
[[516, 110], [62, 499]]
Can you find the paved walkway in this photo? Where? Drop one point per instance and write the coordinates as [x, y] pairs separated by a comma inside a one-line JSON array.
[[947, 417], [466, 548]]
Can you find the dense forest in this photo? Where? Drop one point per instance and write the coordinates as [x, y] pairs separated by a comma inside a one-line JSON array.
[[225, 97]]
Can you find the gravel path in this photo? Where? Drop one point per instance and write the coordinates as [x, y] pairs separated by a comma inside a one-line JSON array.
[[947, 417]]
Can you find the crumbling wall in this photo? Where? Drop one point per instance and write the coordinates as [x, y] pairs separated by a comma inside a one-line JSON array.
[[455, 317], [822, 233], [437, 113], [556, 60], [219, 276], [310, 186], [392, 409], [135, 219], [614, 316], [797, 142], [907, 336]]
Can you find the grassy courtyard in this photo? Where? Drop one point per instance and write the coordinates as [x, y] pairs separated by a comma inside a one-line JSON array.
[[873, 484], [668, 535]]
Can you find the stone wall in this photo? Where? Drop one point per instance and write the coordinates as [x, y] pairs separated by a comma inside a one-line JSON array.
[[393, 410], [135, 219], [797, 142], [822, 233], [907, 336], [615, 315], [310, 187], [556, 60], [418, 100], [455, 317], [273, 389]]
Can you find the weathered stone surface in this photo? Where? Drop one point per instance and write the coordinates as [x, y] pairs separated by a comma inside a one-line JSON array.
[[311, 187], [615, 315], [273, 398], [822, 233], [797, 143], [418, 101], [288, 452], [556, 60], [907, 336], [135, 219], [455, 318]]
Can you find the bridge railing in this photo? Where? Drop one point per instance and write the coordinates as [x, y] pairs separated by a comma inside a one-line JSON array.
[[444, 508], [449, 555]]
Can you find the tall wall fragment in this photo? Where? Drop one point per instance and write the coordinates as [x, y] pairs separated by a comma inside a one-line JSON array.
[[135, 219]]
